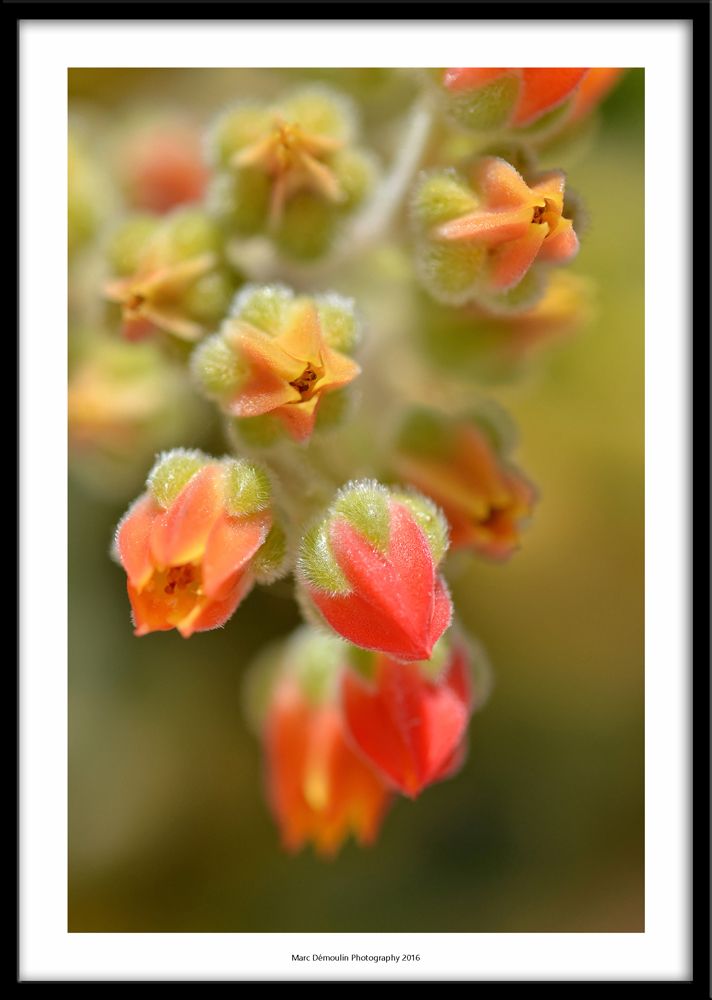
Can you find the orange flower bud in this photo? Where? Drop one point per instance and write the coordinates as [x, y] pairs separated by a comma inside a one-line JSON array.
[[482, 239], [484, 499], [278, 354], [318, 788], [189, 544]]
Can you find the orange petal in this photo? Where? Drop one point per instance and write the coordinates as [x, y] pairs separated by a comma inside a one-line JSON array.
[[132, 541], [339, 369], [299, 418], [501, 185], [180, 533], [208, 614], [594, 88], [543, 90], [562, 246], [231, 543], [511, 261], [490, 228]]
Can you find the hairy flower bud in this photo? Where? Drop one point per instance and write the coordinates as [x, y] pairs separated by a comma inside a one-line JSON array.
[[318, 789], [409, 720], [191, 544], [460, 466], [369, 569], [171, 275], [487, 99], [481, 238], [279, 354], [290, 170]]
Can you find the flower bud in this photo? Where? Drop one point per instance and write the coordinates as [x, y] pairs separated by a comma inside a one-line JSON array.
[[171, 275], [409, 720], [461, 466], [318, 789], [159, 162], [191, 544], [290, 170], [369, 570], [485, 99], [279, 355], [480, 239]]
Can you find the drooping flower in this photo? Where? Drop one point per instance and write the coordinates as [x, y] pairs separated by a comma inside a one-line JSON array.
[[193, 545], [456, 462], [171, 275], [318, 788], [510, 98], [369, 571], [409, 720], [290, 170], [279, 354], [482, 239]]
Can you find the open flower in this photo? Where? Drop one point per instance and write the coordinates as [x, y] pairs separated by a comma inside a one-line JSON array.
[[409, 720], [455, 462], [290, 170], [369, 570], [319, 789], [515, 98], [483, 239], [171, 275], [279, 354], [194, 543]]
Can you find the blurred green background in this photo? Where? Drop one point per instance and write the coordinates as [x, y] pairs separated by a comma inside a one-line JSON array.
[[543, 829]]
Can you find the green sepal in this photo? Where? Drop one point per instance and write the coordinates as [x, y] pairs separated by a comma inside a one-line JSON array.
[[247, 488], [172, 472]]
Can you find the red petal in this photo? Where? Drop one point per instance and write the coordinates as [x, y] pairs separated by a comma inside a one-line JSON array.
[[368, 627], [180, 533], [542, 90], [406, 726], [400, 586]]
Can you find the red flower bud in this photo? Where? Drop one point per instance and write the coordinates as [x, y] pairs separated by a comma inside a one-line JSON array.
[[410, 726], [538, 90], [370, 570]]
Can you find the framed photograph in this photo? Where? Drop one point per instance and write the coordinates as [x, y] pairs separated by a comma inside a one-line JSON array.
[[354, 594]]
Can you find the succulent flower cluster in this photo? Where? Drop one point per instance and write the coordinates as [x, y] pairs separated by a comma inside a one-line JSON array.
[[333, 303]]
